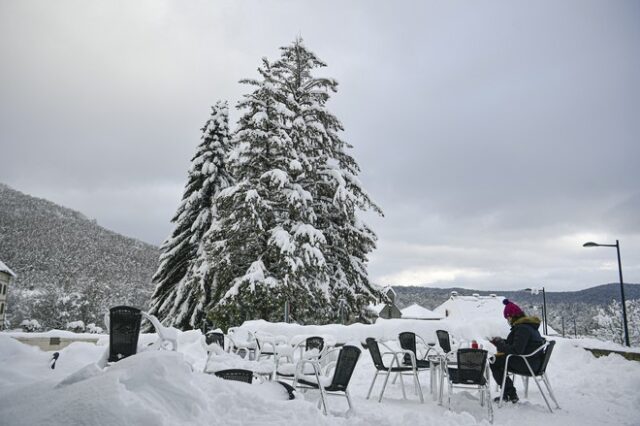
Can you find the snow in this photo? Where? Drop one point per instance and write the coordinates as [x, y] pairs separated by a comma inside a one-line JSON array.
[[466, 309], [416, 311], [170, 388], [5, 268]]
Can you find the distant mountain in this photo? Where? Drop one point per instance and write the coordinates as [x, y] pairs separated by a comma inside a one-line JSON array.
[[65, 261], [599, 295]]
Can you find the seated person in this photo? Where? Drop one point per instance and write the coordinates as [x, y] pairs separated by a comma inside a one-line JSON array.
[[523, 339]]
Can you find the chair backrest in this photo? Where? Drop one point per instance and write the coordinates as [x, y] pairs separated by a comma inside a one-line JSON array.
[[374, 350], [345, 365], [547, 355], [237, 374], [215, 337], [471, 366], [443, 340], [408, 342], [314, 342], [124, 329]]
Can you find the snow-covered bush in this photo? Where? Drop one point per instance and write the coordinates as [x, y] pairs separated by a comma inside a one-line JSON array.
[[76, 326], [30, 326], [609, 322]]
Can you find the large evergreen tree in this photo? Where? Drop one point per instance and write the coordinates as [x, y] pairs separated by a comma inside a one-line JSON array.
[[265, 245], [289, 228], [337, 192], [184, 278]]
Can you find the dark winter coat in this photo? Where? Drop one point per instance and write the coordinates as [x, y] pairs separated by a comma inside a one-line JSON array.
[[523, 339]]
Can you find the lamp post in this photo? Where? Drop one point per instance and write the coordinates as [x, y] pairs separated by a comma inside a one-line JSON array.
[[624, 307], [544, 307]]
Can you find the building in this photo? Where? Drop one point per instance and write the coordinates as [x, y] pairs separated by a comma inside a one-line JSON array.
[[472, 308], [387, 310], [418, 312], [5, 276]]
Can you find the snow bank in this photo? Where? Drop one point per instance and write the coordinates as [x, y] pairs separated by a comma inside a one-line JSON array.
[[169, 388]]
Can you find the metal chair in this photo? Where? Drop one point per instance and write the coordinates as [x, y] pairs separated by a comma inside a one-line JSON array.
[[408, 341], [381, 368], [471, 372], [311, 348], [444, 340], [540, 373], [242, 341], [447, 358], [167, 336], [337, 382]]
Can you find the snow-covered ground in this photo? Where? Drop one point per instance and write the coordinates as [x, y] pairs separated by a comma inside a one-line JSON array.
[[168, 388]]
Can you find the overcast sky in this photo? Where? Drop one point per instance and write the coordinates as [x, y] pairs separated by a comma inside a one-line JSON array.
[[497, 137]]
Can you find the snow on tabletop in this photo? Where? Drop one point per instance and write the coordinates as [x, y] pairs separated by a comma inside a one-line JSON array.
[[169, 388]]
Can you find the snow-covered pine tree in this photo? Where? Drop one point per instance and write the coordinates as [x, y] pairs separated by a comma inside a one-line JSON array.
[[298, 240], [265, 245], [330, 173], [184, 278], [609, 322]]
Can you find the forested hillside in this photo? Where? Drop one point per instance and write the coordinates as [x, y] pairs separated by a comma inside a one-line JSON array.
[[69, 268]]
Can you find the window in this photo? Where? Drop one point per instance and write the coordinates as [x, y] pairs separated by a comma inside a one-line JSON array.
[[4, 289], [1, 308]]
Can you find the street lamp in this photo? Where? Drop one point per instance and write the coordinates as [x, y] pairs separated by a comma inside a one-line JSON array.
[[544, 307], [624, 307]]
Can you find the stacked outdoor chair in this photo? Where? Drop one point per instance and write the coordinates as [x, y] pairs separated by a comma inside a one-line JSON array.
[[472, 372], [394, 367], [124, 330], [336, 382], [540, 373]]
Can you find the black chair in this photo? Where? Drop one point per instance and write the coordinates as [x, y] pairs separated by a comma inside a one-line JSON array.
[[472, 372], [314, 342], [236, 374], [215, 337], [344, 366], [541, 372], [444, 340], [408, 343], [447, 358], [376, 356], [124, 329]]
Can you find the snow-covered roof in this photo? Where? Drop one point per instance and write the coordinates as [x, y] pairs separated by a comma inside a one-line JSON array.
[[5, 268], [477, 308], [416, 311], [377, 308], [469, 308]]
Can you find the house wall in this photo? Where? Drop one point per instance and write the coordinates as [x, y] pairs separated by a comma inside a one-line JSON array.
[[4, 284]]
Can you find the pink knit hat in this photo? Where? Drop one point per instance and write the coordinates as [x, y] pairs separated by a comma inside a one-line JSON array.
[[511, 309]]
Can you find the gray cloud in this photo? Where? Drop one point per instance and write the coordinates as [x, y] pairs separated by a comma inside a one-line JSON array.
[[497, 137]]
